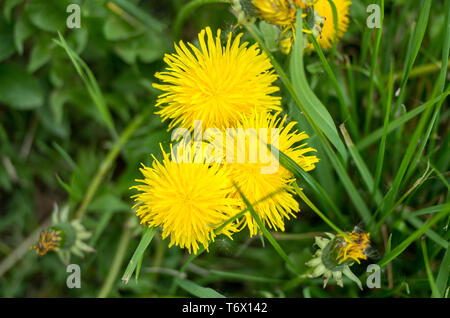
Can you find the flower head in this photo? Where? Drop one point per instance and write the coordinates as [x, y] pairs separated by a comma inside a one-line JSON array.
[[188, 198], [214, 83], [353, 246], [279, 12], [48, 240], [63, 236], [327, 261], [327, 24], [256, 171]]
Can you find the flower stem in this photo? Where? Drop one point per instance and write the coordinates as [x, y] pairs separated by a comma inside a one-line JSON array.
[[117, 262], [109, 160], [317, 211]]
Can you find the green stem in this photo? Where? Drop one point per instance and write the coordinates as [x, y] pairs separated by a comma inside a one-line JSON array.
[[372, 72], [267, 234], [345, 113], [382, 148], [317, 211], [24, 247], [109, 160], [117, 263], [422, 70]]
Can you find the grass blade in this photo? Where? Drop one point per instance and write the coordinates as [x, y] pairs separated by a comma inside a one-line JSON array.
[[444, 269], [414, 236], [197, 290], [307, 100], [267, 234], [433, 287], [318, 190], [245, 277], [90, 83], [143, 244], [398, 122]]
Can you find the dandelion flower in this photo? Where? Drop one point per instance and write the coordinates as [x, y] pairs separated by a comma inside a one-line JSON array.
[[214, 83], [256, 171], [328, 25], [279, 12], [353, 246], [328, 261], [186, 198]]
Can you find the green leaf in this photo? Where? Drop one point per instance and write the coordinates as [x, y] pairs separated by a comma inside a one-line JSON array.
[[398, 122], [116, 29], [197, 290], [311, 104], [48, 15], [143, 244], [91, 84], [244, 277], [270, 34], [414, 220], [430, 277], [7, 47], [143, 16], [9, 6], [388, 257], [22, 30], [266, 233], [18, 89], [79, 39], [444, 269], [41, 53], [148, 48]]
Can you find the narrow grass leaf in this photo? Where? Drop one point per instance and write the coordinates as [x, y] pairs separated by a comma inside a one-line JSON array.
[[90, 83], [444, 269], [434, 290], [266, 233], [143, 244], [414, 236], [197, 290]]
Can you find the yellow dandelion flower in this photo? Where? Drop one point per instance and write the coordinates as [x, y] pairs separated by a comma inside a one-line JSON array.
[[328, 29], [48, 240], [215, 84], [279, 12], [189, 200], [256, 170], [354, 246]]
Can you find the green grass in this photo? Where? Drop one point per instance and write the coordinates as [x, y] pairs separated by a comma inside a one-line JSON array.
[[77, 119]]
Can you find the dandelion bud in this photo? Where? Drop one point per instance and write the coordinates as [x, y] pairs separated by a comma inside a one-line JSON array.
[[63, 237], [337, 253]]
